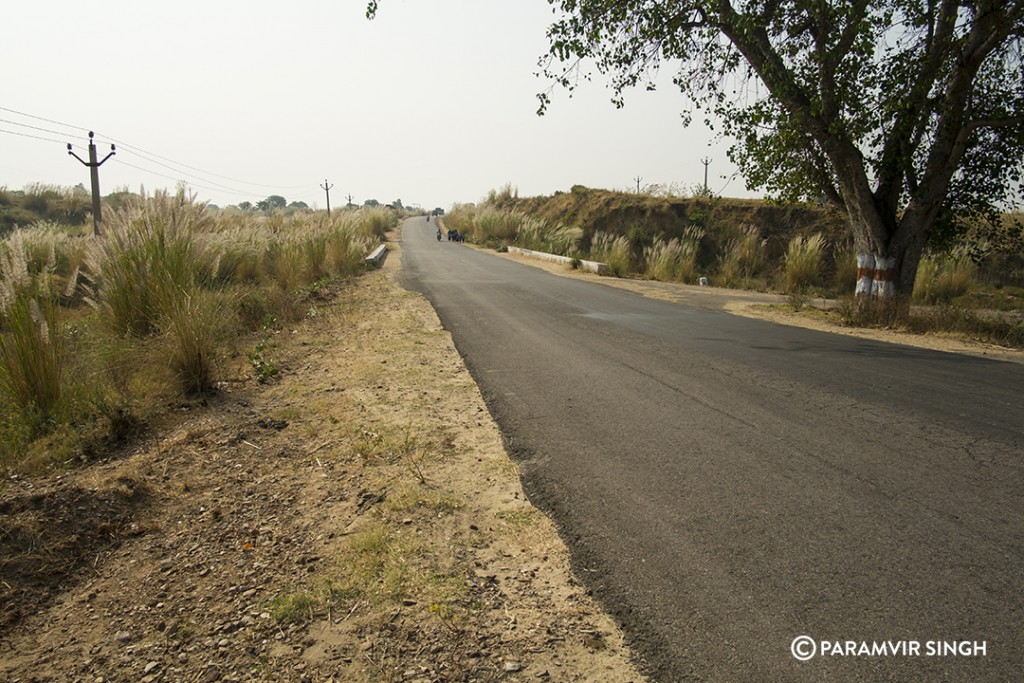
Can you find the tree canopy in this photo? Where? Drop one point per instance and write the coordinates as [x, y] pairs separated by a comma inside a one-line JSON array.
[[274, 201], [909, 114]]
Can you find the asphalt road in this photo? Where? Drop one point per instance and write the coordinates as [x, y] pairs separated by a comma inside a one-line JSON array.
[[726, 484]]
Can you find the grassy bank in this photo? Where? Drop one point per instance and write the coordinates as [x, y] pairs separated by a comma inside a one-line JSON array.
[[96, 332]]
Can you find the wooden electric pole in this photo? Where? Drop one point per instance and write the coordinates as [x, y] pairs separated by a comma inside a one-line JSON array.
[[94, 174], [638, 179], [327, 189], [706, 161]]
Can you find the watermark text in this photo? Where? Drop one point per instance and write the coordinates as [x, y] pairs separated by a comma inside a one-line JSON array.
[[805, 648]]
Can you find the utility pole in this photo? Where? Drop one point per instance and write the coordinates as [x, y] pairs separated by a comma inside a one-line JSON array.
[[638, 179], [706, 161], [349, 198], [327, 188], [94, 174]]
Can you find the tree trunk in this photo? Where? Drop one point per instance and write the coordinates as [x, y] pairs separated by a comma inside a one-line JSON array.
[[886, 272]]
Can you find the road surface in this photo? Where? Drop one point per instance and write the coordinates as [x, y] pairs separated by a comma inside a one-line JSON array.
[[753, 502]]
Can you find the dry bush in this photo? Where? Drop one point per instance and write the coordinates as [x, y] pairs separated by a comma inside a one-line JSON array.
[[803, 263], [32, 358], [538, 235], [940, 279], [495, 226], [194, 327], [675, 260], [844, 258], [612, 250], [169, 281], [151, 256], [744, 259]]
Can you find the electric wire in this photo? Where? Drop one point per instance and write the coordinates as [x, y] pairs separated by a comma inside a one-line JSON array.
[[144, 154], [29, 135], [182, 180], [140, 152], [178, 170], [40, 118], [25, 125]]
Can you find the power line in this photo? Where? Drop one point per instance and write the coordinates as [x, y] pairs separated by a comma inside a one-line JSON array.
[[138, 151], [142, 153], [40, 118], [27, 135], [25, 125], [178, 170], [180, 179]]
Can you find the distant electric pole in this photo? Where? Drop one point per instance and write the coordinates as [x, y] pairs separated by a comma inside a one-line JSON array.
[[638, 179], [327, 189], [94, 173], [706, 161], [349, 198]]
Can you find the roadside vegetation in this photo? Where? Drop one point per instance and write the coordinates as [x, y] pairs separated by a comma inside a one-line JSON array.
[[970, 284], [96, 333]]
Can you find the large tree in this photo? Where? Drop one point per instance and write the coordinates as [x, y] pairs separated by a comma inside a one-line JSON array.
[[909, 114]]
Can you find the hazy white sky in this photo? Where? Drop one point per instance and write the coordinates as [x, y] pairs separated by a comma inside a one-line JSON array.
[[431, 103]]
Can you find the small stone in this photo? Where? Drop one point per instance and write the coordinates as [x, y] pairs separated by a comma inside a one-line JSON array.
[[150, 666], [512, 667], [123, 636]]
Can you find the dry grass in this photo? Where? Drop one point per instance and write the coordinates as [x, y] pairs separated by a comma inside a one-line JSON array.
[[941, 279], [676, 259], [178, 280], [803, 263], [612, 250], [844, 259], [743, 259]]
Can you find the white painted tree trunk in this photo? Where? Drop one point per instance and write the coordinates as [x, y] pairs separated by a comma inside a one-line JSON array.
[[876, 276]]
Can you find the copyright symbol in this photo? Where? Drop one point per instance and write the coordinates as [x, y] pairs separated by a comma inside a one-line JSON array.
[[803, 648]]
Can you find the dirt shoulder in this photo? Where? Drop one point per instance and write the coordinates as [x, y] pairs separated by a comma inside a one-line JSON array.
[[771, 307], [356, 520]]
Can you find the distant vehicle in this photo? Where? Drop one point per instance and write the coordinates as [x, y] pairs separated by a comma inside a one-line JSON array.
[[437, 212]]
